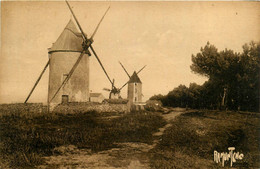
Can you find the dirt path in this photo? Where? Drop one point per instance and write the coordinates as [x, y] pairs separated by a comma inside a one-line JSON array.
[[127, 156], [168, 117]]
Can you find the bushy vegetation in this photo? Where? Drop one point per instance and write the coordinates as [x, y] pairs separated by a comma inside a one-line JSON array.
[[26, 137], [233, 80], [193, 137]]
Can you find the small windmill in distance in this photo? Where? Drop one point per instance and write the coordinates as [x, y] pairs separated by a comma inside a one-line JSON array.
[[134, 92], [114, 92]]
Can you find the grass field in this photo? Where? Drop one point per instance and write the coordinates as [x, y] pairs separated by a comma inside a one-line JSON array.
[[27, 137], [193, 137]]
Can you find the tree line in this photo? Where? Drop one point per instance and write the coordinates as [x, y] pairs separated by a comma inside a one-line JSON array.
[[233, 80]]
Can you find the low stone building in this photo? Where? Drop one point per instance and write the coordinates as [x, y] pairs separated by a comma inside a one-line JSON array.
[[96, 97]]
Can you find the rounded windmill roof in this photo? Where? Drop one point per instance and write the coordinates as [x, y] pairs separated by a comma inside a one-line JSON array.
[[69, 40]]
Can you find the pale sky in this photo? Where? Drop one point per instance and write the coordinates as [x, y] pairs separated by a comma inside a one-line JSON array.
[[161, 35]]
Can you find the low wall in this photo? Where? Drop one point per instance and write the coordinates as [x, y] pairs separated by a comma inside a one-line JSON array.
[[23, 108], [64, 108], [89, 106]]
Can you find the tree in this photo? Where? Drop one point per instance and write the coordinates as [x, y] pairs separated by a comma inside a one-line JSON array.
[[205, 63], [178, 97], [233, 77], [233, 80], [248, 78], [195, 96], [157, 97]]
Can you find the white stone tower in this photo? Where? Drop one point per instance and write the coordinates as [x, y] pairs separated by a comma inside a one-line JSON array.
[[134, 93], [63, 55]]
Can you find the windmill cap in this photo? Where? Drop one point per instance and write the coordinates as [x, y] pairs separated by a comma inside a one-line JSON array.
[[134, 78], [70, 40]]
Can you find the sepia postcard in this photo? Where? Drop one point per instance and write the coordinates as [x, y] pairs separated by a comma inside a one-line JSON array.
[[129, 84]]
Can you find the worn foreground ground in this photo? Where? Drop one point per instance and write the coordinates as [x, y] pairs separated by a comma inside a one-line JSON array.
[[129, 155], [178, 139]]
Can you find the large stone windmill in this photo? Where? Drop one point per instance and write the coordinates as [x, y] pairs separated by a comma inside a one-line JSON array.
[[69, 65], [63, 54]]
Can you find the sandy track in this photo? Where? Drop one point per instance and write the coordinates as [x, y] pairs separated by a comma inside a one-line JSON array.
[[127, 156]]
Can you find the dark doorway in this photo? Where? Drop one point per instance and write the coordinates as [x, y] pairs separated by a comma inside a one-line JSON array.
[[65, 99]]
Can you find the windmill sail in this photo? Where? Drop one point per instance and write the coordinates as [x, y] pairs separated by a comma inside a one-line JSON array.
[[124, 69], [37, 81], [74, 16], [92, 36], [88, 42]]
